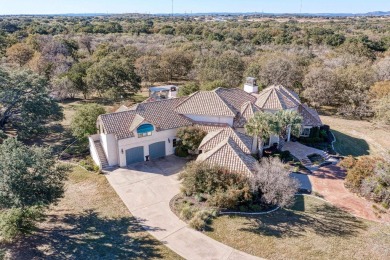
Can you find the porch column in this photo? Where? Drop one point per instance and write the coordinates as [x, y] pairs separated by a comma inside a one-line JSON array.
[[289, 133]]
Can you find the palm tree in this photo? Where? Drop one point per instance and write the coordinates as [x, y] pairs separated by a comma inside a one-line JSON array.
[[287, 122], [260, 125], [282, 124]]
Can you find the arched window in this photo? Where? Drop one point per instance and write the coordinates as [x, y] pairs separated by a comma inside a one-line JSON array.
[[145, 130]]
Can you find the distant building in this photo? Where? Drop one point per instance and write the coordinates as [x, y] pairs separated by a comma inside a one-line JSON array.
[[163, 92]]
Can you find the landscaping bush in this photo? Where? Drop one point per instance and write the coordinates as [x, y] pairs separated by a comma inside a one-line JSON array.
[[377, 187], [202, 178], [201, 219], [16, 221], [187, 212], [230, 198], [315, 132], [311, 140], [89, 164], [358, 171], [191, 137], [370, 177], [197, 222], [181, 151]]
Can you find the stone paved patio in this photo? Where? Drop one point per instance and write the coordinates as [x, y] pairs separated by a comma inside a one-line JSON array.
[[301, 152]]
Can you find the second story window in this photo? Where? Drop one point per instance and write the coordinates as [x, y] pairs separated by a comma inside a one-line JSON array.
[[145, 130], [144, 134]]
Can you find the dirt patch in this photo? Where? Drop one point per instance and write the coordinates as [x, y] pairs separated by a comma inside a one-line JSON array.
[[329, 182]]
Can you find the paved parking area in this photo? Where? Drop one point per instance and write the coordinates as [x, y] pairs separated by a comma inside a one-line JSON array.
[[146, 189]]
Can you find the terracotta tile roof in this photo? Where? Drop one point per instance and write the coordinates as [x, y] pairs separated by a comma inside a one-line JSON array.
[[235, 97], [248, 109], [118, 123], [219, 102], [205, 103], [214, 138], [310, 116], [161, 114], [227, 154], [277, 98], [210, 127]]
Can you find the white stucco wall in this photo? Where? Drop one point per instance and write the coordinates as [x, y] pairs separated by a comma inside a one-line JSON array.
[[128, 143], [212, 119], [93, 151], [110, 147]]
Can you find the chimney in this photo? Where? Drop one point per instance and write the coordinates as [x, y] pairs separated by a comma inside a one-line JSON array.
[[251, 86]]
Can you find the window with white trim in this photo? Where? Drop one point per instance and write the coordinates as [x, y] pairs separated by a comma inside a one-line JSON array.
[[306, 131]]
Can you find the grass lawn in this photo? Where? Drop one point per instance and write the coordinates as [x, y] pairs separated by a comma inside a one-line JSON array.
[[312, 229], [358, 138], [90, 222]]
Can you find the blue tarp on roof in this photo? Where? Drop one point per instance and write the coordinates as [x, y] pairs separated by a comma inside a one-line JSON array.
[[145, 128]]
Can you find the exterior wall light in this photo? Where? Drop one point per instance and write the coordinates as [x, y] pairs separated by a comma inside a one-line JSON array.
[[122, 151]]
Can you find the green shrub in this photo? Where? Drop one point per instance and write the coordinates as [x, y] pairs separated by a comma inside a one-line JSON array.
[[202, 178], [255, 207], [187, 213], [89, 164], [311, 140], [200, 197], [230, 198], [363, 168], [181, 151], [191, 137], [201, 219], [15, 222], [323, 134], [243, 208], [198, 223], [315, 132]]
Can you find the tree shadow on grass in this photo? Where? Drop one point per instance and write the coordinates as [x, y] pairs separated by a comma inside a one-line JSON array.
[[348, 145], [322, 219], [88, 236]]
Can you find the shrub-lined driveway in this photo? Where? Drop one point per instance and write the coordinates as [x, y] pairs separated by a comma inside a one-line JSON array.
[[146, 189]]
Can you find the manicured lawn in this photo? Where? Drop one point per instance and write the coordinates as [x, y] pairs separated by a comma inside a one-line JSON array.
[[358, 138], [348, 145], [312, 229], [90, 222]]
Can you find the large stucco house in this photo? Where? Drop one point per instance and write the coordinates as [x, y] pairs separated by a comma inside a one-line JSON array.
[[147, 131]]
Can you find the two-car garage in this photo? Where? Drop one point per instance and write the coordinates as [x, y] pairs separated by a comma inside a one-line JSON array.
[[137, 154]]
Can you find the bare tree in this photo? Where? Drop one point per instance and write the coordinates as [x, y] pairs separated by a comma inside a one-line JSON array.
[[382, 69], [272, 183]]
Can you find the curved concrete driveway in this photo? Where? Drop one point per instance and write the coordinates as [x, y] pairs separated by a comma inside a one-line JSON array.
[[146, 189]]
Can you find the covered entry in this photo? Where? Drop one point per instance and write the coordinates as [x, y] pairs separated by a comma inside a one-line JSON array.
[[157, 150], [135, 155]]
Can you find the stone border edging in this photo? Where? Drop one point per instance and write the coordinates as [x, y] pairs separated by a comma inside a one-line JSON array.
[[249, 213], [254, 213]]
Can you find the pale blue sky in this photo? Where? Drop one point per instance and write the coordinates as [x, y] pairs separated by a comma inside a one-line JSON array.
[[196, 6]]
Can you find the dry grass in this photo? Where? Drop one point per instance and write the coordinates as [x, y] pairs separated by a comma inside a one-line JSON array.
[[358, 137], [90, 222], [313, 229]]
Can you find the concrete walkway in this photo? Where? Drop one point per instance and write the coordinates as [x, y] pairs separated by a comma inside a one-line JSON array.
[[146, 189]]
